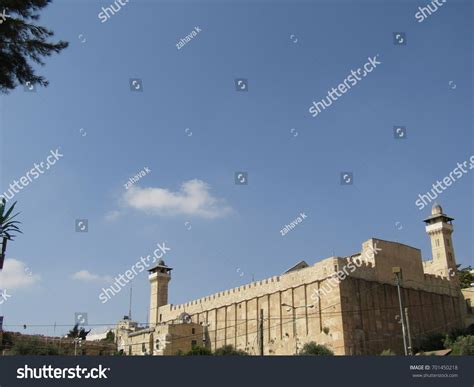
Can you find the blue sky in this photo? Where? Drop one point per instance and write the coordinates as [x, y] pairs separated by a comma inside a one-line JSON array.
[[234, 228]]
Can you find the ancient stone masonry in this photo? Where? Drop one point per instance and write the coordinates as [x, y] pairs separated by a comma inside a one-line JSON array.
[[355, 310]]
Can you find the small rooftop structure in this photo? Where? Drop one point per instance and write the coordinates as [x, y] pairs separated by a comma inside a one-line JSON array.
[[300, 265], [98, 334]]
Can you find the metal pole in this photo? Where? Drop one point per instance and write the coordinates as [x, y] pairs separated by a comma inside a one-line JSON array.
[[294, 330], [204, 339], [261, 332], [410, 346], [294, 327], [130, 305], [402, 320]]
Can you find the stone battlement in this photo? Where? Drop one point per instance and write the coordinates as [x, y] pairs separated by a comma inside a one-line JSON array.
[[226, 292], [373, 263]]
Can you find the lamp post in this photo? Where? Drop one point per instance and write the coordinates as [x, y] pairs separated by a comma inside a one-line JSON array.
[[204, 327], [261, 333], [77, 341], [398, 275], [410, 345]]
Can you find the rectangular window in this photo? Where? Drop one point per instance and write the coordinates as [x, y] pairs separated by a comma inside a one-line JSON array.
[[193, 343], [160, 317], [143, 347], [437, 242], [193, 331]]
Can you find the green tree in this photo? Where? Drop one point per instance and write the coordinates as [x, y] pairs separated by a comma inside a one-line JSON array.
[[23, 42], [465, 276], [387, 352], [34, 347], [464, 345], [76, 332], [313, 349], [7, 340], [229, 350], [199, 351], [110, 337], [8, 227], [452, 336]]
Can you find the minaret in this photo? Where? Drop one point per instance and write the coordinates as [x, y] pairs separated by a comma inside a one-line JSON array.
[[439, 227], [159, 277]]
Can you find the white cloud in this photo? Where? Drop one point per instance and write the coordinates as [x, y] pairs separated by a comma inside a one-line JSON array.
[[16, 275], [194, 198], [112, 215], [87, 276]]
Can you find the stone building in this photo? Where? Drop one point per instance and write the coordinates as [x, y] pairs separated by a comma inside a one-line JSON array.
[[171, 338], [349, 304]]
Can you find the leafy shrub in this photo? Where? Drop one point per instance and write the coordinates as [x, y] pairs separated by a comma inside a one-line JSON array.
[[313, 349], [199, 351], [34, 347], [464, 345], [229, 350]]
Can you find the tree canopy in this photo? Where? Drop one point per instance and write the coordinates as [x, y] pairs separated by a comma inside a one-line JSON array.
[[23, 42], [229, 350], [76, 332], [8, 227], [465, 277], [313, 349]]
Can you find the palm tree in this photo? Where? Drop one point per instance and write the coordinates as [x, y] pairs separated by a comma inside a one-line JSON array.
[[8, 227]]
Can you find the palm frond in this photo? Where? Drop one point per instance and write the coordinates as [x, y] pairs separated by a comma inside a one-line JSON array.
[[2, 206], [10, 210], [8, 226]]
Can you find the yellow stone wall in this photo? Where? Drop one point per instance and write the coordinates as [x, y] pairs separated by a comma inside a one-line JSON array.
[[159, 294], [371, 310], [232, 316], [164, 339]]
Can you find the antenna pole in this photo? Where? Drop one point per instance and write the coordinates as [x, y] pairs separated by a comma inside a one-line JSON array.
[[130, 306], [261, 332]]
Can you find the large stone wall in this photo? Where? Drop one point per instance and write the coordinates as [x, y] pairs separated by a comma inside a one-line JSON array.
[[232, 316], [370, 304], [355, 316], [371, 310]]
